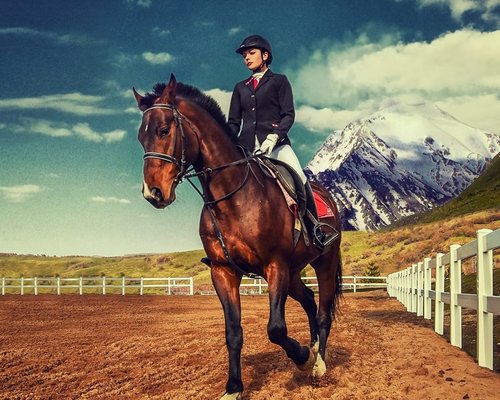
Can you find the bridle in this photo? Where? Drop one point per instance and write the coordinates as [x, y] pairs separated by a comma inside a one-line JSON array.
[[181, 165], [166, 157]]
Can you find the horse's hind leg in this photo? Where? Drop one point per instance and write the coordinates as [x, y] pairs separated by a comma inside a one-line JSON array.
[[305, 296], [278, 281], [328, 272]]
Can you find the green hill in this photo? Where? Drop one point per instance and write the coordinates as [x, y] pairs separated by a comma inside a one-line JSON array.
[[482, 194], [172, 265]]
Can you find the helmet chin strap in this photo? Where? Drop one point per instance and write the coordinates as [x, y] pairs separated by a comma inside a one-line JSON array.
[[262, 64]]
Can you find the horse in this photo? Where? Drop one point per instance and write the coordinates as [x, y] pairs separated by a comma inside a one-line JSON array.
[[245, 225]]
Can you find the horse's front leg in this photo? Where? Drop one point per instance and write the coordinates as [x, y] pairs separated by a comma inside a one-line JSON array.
[[278, 281], [227, 284]]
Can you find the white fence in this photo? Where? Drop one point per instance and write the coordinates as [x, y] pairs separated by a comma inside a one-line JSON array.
[[124, 285], [412, 287], [354, 283], [102, 285]]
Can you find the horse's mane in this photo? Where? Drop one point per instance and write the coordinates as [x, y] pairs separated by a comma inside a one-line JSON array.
[[196, 96]]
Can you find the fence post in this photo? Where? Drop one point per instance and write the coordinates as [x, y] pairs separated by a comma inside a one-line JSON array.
[[3, 286], [58, 285], [401, 287], [427, 288], [191, 286], [22, 285], [414, 287], [260, 286], [420, 289], [439, 305], [80, 286], [35, 286], [104, 285], [405, 282], [484, 289], [123, 285], [455, 289], [354, 283], [142, 286]]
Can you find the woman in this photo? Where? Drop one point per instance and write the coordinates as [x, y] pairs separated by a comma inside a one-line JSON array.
[[261, 113], [261, 110]]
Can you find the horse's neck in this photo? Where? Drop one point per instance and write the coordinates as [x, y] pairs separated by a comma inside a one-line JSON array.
[[217, 149]]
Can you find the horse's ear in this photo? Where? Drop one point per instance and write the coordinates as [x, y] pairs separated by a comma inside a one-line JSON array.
[[168, 94], [139, 99]]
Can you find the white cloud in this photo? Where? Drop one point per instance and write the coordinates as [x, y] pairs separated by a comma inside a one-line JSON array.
[[109, 200], [157, 58], [323, 119], [235, 30], [85, 131], [45, 128], [140, 3], [71, 103], [20, 193], [114, 136], [64, 39], [456, 67], [160, 31], [486, 8], [132, 110], [82, 130], [222, 97]]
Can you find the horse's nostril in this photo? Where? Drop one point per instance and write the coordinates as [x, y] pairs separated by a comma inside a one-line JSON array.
[[156, 193]]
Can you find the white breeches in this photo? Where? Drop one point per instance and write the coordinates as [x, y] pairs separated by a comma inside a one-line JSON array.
[[286, 154]]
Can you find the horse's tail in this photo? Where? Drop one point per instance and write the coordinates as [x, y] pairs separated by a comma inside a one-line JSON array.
[[338, 287]]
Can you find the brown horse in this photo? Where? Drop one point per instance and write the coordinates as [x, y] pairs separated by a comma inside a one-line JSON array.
[[245, 226]]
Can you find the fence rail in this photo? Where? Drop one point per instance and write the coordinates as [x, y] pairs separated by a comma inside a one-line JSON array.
[[102, 285], [413, 288], [354, 283]]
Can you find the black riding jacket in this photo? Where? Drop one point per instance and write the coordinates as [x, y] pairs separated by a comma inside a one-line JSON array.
[[266, 109]]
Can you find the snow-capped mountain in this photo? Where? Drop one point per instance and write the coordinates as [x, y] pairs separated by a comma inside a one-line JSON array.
[[402, 159]]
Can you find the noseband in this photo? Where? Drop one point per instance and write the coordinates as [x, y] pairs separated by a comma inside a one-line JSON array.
[[166, 157]]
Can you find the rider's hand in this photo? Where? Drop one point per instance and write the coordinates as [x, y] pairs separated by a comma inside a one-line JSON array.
[[267, 145]]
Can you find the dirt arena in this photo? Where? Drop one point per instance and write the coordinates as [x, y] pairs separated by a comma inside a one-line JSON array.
[[159, 347]]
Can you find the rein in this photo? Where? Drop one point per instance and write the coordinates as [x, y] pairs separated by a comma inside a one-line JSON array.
[[184, 174]]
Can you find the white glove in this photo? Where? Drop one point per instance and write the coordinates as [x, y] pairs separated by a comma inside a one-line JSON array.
[[267, 145]]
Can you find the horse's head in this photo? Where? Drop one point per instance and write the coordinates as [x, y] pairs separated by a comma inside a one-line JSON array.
[[168, 143]]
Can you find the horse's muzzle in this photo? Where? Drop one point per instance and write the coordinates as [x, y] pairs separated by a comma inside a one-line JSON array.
[[155, 196]]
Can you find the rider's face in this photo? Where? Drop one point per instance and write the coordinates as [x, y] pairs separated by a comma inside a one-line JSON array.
[[254, 58]]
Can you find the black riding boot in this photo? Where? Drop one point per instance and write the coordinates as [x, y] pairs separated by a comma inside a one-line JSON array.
[[321, 238]]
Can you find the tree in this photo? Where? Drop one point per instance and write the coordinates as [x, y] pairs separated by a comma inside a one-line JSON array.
[[371, 270]]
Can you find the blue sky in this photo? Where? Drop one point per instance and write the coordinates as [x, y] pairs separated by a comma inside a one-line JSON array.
[[71, 166]]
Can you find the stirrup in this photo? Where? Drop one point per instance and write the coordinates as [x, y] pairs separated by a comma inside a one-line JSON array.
[[324, 239]]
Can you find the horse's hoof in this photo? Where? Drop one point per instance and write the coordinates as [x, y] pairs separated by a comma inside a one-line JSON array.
[[319, 368], [309, 363], [231, 396]]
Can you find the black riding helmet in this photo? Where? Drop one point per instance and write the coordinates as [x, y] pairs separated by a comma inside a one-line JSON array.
[[256, 41]]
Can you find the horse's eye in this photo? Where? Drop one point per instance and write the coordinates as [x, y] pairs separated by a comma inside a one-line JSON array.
[[164, 131]]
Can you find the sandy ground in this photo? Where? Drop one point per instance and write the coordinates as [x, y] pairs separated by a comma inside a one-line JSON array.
[[158, 347]]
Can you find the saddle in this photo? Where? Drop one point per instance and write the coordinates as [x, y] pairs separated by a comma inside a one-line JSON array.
[[306, 213]]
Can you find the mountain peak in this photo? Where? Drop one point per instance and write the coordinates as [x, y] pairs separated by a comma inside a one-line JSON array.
[[404, 158]]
